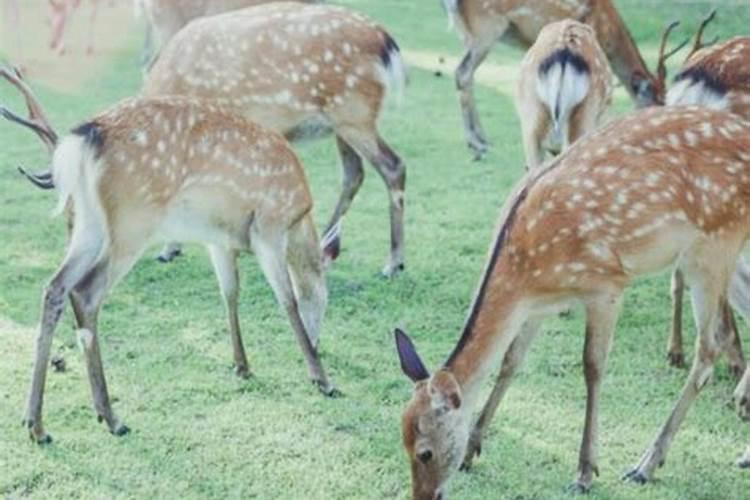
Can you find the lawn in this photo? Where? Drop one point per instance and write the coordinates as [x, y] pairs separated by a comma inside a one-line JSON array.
[[198, 431]]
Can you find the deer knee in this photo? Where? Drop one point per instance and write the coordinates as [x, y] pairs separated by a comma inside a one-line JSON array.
[[54, 300]]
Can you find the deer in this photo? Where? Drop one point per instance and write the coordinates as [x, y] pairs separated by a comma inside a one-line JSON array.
[[742, 402], [155, 168], [658, 187], [481, 23], [167, 17], [714, 76], [305, 71], [564, 89]]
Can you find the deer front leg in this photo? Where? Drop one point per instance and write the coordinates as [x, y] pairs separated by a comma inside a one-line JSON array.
[[744, 461], [476, 53], [601, 316], [729, 340], [170, 252], [706, 297], [742, 396], [675, 353], [511, 363]]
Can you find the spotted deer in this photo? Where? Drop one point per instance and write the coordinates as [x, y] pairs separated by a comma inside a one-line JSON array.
[[742, 401], [305, 71], [660, 186], [715, 76], [60, 14], [167, 17], [564, 88], [150, 169], [481, 23]]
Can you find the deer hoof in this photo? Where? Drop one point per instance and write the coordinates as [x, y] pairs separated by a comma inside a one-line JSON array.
[[636, 476], [327, 389], [579, 488], [474, 449], [676, 359], [391, 270], [736, 371], [121, 430], [242, 372]]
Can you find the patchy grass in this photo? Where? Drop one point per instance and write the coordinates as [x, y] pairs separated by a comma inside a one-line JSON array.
[[200, 432]]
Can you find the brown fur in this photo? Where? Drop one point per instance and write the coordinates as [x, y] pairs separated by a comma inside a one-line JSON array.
[[627, 200], [536, 120]]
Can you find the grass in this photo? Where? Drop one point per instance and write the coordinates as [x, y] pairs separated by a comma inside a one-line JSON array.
[[200, 432]]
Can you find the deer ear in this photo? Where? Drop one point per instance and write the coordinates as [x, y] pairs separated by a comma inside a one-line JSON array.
[[445, 391], [411, 364]]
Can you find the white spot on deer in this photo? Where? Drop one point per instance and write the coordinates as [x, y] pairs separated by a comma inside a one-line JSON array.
[[558, 268], [328, 56], [161, 146], [141, 138], [351, 81], [347, 48], [537, 273]]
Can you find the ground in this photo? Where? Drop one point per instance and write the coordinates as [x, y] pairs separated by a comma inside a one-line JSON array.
[[200, 432]]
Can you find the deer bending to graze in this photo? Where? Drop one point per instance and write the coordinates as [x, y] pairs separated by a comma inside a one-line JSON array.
[[304, 71], [167, 17], [481, 23], [155, 169], [659, 186], [564, 89], [716, 77]]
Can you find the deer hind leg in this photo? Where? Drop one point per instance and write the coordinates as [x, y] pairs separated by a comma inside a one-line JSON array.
[[92, 23], [87, 298], [742, 396], [744, 461], [675, 353], [535, 126], [170, 252], [601, 317], [512, 361], [392, 170], [82, 255], [477, 50], [729, 341], [271, 251], [308, 277], [225, 267], [707, 288], [353, 175]]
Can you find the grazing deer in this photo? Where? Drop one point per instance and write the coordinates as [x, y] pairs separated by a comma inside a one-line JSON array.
[[481, 23], [716, 77], [151, 169], [658, 186], [564, 89], [167, 17], [304, 71]]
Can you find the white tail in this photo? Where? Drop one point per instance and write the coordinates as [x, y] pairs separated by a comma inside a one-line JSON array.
[[157, 169], [305, 71]]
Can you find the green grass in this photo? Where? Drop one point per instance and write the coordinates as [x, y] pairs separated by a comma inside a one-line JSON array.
[[199, 432]]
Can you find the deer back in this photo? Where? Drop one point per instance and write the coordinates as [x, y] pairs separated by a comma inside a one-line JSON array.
[[281, 63]]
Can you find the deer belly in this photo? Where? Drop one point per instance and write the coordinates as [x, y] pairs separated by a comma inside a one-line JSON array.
[[656, 250], [190, 224]]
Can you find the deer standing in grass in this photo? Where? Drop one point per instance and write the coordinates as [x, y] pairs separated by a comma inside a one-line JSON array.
[[481, 23], [742, 401], [716, 77], [564, 88], [660, 186], [60, 14], [151, 169], [305, 71], [167, 17]]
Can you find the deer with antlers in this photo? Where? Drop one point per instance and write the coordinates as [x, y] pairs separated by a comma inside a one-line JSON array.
[[305, 71], [659, 186], [714, 76], [481, 23], [155, 169], [564, 88], [166, 17]]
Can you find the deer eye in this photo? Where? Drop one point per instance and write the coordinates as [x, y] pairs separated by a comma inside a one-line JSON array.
[[425, 456]]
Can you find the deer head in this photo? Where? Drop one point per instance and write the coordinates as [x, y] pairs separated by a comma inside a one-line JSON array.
[[434, 426]]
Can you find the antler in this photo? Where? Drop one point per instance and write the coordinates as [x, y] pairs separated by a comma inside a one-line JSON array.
[[661, 68], [37, 121], [698, 43]]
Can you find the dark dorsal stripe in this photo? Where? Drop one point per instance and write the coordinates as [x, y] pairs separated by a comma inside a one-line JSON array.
[[564, 57], [93, 135], [700, 75]]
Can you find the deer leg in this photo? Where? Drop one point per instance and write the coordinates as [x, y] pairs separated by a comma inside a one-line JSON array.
[[353, 175], [512, 361], [742, 396], [675, 354], [92, 23], [225, 267], [535, 126], [601, 317], [476, 53], [170, 252], [87, 298], [729, 339], [80, 259], [271, 254], [706, 292], [744, 461]]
